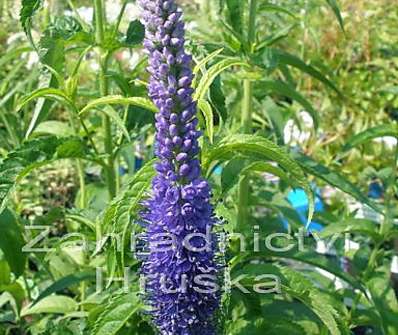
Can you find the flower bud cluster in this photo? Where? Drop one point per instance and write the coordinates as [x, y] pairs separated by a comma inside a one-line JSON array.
[[180, 202]]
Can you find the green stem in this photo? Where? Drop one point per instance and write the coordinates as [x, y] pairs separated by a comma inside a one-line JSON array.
[[368, 271], [244, 187], [247, 107], [28, 290], [251, 36], [11, 131], [100, 22], [82, 183], [119, 18], [80, 169]]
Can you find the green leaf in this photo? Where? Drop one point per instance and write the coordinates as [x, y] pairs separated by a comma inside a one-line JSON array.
[[51, 50], [54, 304], [52, 55], [116, 314], [12, 242], [28, 10], [276, 36], [288, 251], [268, 168], [73, 147], [207, 111], [275, 8], [217, 99], [5, 271], [124, 208], [370, 134], [135, 33], [320, 303], [274, 114], [14, 53], [120, 100], [289, 59], [8, 81], [336, 10], [212, 73], [18, 88], [300, 288], [384, 300], [48, 93], [231, 173], [33, 154], [110, 100], [206, 60], [357, 226], [64, 27], [113, 115], [17, 293], [235, 17], [121, 81], [236, 168], [64, 283], [333, 178], [56, 128], [284, 89], [252, 146]]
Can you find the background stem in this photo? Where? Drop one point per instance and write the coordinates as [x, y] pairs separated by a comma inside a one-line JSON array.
[[247, 106], [100, 22]]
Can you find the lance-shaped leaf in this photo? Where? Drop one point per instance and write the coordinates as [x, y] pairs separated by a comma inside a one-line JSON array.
[[28, 10], [286, 58], [300, 288], [212, 73], [286, 249], [384, 300], [358, 226], [53, 127], [266, 6], [284, 89], [207, 111], [48, 93], [235, 14], [54, 304], [370, 134], [237, 168], [257, 147], [12, 242], [65, 283], [125, 207], [119, 100], [336, 10], [116, 314], [333, 178], [206, 60]]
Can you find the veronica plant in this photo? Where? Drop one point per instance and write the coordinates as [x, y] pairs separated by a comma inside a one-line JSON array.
[[180, 204]]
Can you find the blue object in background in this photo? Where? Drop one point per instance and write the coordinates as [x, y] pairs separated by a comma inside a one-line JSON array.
[[376, 190], [122, 171], [139, 162], [299, 201], [218, 170]]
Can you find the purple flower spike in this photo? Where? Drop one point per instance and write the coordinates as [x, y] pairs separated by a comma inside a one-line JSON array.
[[181, 281]]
